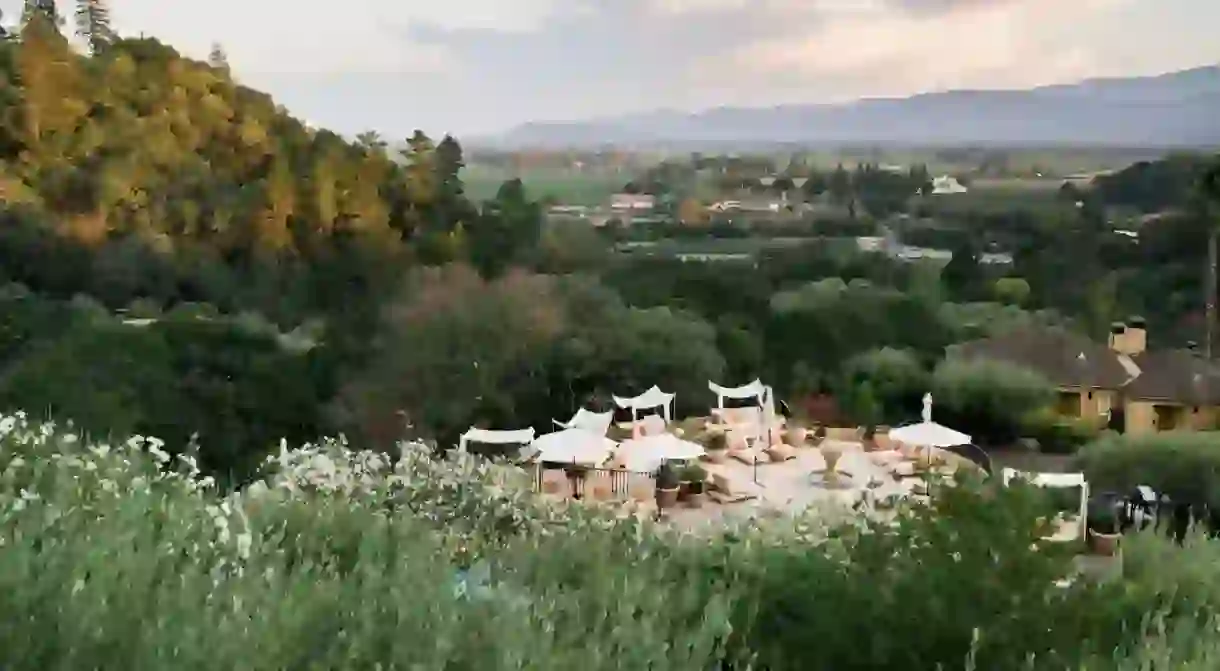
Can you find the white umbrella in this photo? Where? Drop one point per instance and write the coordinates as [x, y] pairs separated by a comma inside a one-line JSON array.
[[574, 446], [645, 455], [928, 433]]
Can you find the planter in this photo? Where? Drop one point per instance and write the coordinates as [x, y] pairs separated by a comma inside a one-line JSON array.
[[697, 495], [684, 491], [1103, 544], [667, 498], [832, 456]]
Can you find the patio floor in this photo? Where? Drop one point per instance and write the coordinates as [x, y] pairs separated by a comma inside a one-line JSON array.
[[793, 486]]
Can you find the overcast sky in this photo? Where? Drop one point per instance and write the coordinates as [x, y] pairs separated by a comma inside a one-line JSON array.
[[476, 66]]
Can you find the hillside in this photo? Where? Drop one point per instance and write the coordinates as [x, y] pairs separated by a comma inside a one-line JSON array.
[[131, 172], [1176, 109]]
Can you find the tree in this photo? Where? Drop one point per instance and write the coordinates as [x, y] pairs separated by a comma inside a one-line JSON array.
[[93, 24], [509, 227], [963, 275], [450, 350], [692, 213], [43, 9], [895, 380], [839, 186]]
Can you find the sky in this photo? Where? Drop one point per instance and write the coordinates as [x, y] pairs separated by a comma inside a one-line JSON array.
[[483, 66]]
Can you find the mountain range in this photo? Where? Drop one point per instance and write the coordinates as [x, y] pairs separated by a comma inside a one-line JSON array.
[[1179, 109]]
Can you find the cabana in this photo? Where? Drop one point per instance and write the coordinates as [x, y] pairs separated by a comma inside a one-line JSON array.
[[522, 437], [593, 422], [653, 398], [1060, 481], [754, 390]]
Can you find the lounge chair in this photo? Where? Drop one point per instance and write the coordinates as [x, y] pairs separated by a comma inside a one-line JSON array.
[[748, 456], [727, 490], [780, 452]]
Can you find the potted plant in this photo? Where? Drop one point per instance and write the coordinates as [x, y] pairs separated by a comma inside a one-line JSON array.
[[696, 479], [716, 445], [669, 481], [684, 483], [1103, 530]]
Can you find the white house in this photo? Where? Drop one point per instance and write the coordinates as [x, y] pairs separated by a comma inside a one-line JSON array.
[[946, 184], [632, 202]]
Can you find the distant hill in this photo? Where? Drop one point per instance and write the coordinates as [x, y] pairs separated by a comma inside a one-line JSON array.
[[1171, 110]]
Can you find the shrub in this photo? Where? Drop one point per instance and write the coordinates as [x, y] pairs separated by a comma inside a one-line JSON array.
[[1059, 435], [896, 377], [348, 559], [988, 399], [1184, 465]]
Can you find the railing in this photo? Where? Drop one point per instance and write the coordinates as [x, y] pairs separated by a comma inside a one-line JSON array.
[[599, 483]]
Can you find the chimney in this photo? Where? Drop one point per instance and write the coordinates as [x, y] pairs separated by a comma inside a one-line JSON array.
[[1118, 337], [1136, 340]]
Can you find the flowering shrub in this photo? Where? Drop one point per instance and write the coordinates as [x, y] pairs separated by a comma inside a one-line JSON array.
[[121, 556]]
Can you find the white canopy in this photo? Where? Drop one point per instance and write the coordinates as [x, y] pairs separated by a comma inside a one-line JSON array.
[[575, 446], [754, 390], [928, 433], [492, 437], [653, 398], [594, 422], [645, 455]]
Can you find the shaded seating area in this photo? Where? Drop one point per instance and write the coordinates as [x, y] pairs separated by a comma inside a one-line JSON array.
[[652, 399]]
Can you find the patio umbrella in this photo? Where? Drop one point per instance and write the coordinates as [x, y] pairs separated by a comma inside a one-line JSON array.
[[573, 446], [928, 433], [645, 455]]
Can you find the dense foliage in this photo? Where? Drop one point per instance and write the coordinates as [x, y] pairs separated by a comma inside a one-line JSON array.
[[132, 558]]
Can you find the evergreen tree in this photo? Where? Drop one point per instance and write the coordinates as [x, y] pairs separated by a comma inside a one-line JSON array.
[[41, 8], [93, 24]]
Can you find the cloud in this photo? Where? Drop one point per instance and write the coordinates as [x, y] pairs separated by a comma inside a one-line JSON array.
[[481, 65], [913, 45]]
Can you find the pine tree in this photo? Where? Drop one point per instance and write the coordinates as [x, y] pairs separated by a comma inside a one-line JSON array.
[[41, 8], [93, 24]]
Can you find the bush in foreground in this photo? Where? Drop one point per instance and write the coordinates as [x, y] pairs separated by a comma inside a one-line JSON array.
[[124, 557]]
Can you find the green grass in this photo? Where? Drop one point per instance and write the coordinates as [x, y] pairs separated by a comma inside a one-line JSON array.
[[568, 187]]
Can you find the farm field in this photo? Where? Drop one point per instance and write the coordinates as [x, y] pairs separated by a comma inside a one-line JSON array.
[[566, 186]]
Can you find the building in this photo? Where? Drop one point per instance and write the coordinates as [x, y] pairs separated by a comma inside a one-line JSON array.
[[1121, 383], [632, 202], [946, 185]]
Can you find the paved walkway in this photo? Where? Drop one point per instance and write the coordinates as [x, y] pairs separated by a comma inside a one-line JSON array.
[[794, 486]]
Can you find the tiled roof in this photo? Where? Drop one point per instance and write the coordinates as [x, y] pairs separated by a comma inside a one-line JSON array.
[[1064, 358], [1181, 376]]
